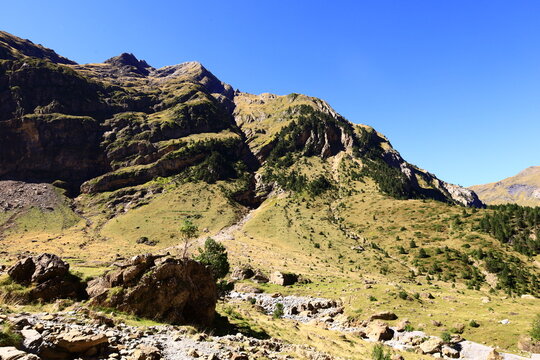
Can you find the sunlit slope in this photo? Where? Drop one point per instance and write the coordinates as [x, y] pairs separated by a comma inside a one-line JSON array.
[[522, 189]]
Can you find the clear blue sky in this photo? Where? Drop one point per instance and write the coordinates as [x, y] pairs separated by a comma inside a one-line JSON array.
[[454, 85]]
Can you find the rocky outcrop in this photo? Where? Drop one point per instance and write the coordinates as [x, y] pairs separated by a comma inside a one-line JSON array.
[[51, 147], [48, 278], [159, 287], [128, 63]]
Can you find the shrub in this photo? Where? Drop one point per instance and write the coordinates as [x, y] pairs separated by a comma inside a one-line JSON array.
[[535, 328], [403, 295], [412, 244], [378, 353], [446, 337], [409, 327], [372, 298], [474, 324], [278, 311], [8, 337]]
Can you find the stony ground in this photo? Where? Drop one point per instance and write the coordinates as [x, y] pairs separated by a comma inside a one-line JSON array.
[[20, 195], [328, 313], [82, 332]]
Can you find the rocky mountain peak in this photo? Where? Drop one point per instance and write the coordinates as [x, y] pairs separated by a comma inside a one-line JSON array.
[[129, 60]]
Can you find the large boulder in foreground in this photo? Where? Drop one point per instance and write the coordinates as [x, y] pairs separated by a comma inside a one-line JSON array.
[[162, 288], [48, 278]]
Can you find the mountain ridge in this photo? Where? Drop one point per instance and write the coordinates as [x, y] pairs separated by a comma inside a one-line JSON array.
[[522, 188], [170, 103]]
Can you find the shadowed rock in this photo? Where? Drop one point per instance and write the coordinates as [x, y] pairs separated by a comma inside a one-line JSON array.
[[157, 287], [49, 278]]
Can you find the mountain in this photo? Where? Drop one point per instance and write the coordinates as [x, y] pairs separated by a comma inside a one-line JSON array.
[[522, 189], [121, 123], [100, 163]]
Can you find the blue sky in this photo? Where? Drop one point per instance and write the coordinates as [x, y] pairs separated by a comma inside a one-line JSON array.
[[454, 85]]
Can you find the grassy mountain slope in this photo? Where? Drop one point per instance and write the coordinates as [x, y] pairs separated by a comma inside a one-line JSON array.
[[522, 189]]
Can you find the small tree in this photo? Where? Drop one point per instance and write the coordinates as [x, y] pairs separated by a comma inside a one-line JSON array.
[[188, 231], [535, 329], [422, 253], [214, 255]]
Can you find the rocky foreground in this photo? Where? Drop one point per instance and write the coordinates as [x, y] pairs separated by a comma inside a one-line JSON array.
[[83, 333]]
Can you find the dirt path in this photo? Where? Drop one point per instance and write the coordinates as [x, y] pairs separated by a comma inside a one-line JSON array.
[[225, 234]]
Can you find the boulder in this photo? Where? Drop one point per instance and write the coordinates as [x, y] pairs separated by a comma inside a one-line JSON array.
[[259, 277], [494, 355], [379, 331], [31, 340], [402, 325], [246, 288], [11, 353], [242, 273], [450, 352], [383, 315], [283, 279], [49, 276], [431, 346], [144, 352], [163, 288], [526, 343], [75, 342]]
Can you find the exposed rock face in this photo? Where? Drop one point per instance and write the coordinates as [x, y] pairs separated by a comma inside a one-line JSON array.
[[162, 288], [129, 63], [48, 276]]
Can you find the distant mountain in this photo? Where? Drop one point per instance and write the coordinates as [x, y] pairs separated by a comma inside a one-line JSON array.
[[522, 189]]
